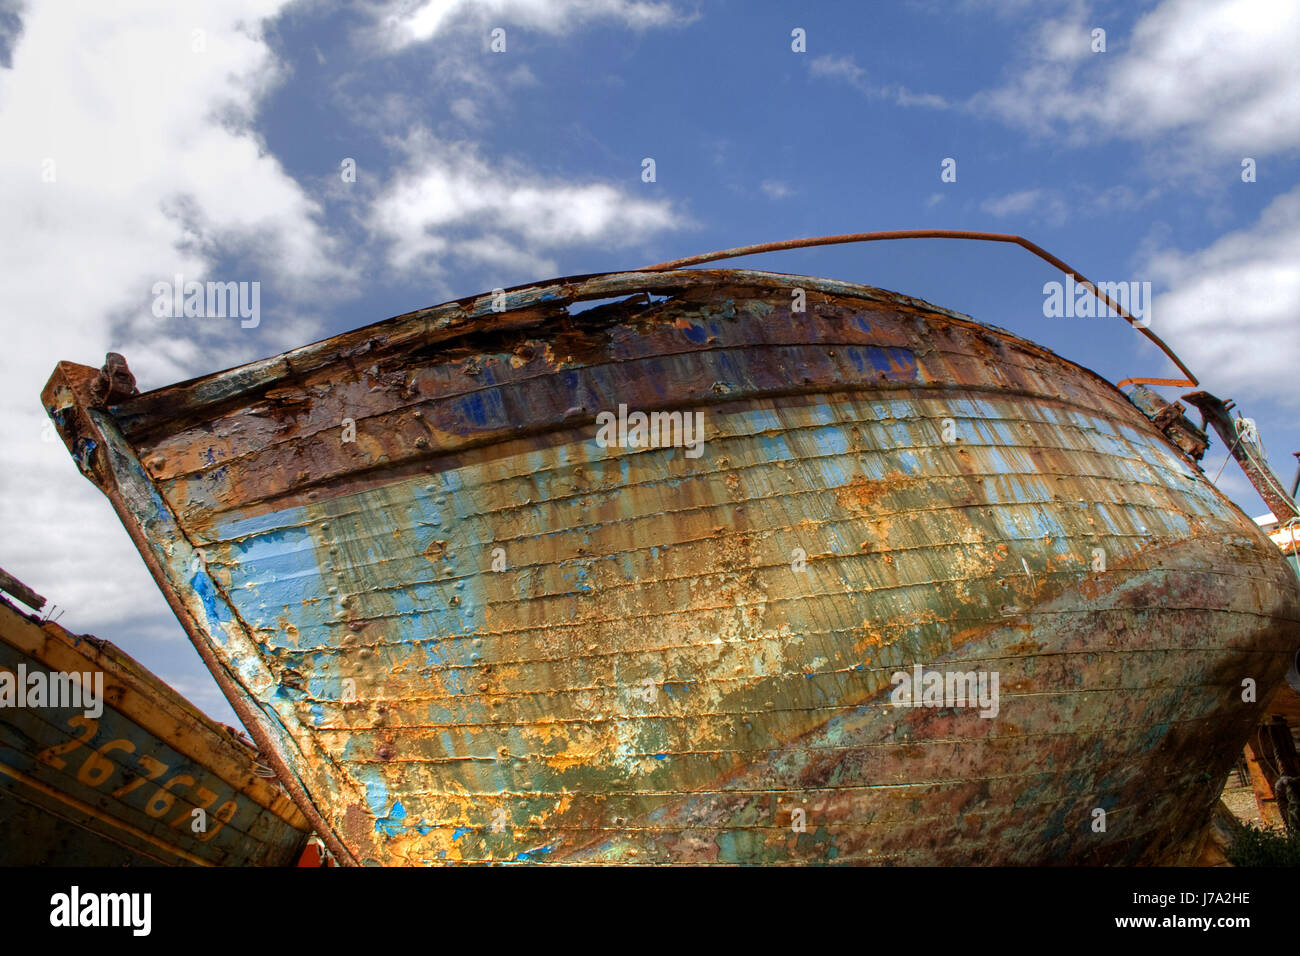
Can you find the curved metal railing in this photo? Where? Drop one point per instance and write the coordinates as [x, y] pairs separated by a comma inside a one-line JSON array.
[[1024, 243]]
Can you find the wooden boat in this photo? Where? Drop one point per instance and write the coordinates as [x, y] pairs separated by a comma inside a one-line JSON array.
[[464, 628], [128, 774]]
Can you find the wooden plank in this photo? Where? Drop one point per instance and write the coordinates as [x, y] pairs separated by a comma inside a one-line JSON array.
[[22, 592]]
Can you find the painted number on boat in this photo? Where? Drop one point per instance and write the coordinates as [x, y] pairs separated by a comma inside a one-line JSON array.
[[96, 770]]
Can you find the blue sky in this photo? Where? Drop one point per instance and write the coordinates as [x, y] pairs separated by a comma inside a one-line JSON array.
[[206, 139]]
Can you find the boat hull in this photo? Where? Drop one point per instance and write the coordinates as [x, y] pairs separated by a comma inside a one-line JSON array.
[[118, 783], [473, 631]]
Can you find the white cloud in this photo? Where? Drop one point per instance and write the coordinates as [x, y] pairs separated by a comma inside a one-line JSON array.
[[1221, 75], [841, 67], [465, 110], [1012, 204], [846, 69], [457, 67], [1043, 204], [1231, 312], [156, 172], [775, 189], [450, 205], [405, 22], [997, 8]]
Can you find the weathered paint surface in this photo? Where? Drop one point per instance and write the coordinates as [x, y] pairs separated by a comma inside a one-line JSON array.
[[120, 788], [653, 675]]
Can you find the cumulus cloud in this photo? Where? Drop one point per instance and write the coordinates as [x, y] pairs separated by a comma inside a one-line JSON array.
[[449, 205], [1232, 306], [1220, 75], [448, 44], [128, 157], [401, 23]]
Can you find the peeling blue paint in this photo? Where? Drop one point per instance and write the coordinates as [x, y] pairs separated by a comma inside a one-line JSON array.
[[393, 823]]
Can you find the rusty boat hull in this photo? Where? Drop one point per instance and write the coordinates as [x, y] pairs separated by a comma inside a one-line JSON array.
[[466, 630], [120, 784]]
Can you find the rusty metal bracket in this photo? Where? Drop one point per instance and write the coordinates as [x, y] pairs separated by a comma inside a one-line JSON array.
[[114, 381], [1169, 418]]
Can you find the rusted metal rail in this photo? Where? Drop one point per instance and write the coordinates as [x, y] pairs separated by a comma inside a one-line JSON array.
[[1267, 484], [1024, 243]]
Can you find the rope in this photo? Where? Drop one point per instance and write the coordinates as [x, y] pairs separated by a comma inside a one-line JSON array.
[[1247, 427], [1225, 459], [1263, 468], [1260, 466]]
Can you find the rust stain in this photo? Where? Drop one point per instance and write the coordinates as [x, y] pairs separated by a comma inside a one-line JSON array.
[[485, 636]]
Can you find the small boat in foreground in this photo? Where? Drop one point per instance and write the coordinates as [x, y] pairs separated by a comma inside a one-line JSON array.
[[102, 764], [726, 567]]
